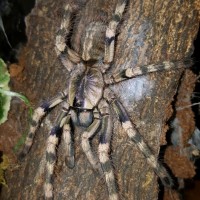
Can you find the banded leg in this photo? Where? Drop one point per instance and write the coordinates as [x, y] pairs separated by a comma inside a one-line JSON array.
[[91, 130], [143, 70], [135, 137], [52, 143], [35, 121], [104, 150], [67, 138], [111, 32], [62, 50]]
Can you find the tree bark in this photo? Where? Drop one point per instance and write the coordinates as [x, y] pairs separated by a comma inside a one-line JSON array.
[[151, 32]]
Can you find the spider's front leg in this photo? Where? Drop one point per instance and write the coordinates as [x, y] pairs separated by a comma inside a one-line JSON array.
[[52, 143], [137, 138], [67, 139], [104, 150], [36, 118]]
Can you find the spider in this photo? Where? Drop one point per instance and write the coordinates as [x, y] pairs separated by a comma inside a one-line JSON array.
[[88, 100]]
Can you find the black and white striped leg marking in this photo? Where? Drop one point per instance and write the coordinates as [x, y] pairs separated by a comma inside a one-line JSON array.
[[62, 50], [85, 141], [104, 150], [63, 30], [67, 138], [36, 118], [143, 70], [52, 143], [135, 136], [111, 32]]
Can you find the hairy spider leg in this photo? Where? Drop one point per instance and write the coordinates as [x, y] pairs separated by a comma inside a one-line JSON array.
[[143, 70], [104, 150], [52, 143], [137, 138], [85, 142], [111, 32], [67, 138], [36, 118], [66, 54]]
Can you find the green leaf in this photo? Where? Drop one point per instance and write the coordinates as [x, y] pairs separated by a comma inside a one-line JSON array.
[[6, 94], [4, 99], [20, 96]]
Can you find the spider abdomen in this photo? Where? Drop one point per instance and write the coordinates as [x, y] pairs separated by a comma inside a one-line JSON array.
[[91, 48], [86, 88]]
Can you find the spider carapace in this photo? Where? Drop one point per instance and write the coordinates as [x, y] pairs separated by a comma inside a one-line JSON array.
[[85, 91]]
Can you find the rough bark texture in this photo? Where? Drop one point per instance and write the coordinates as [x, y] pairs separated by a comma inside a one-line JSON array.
[[151, 32]]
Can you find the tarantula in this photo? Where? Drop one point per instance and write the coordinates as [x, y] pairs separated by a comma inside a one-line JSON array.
[[88, 100]]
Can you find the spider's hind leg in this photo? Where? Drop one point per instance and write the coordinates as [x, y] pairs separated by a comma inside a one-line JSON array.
[[66, 54], [52, 143], [38, 114], [111, 32], [104, 150], [137, 138]]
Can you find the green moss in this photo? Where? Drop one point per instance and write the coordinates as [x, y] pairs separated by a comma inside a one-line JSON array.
[[4, 163]]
